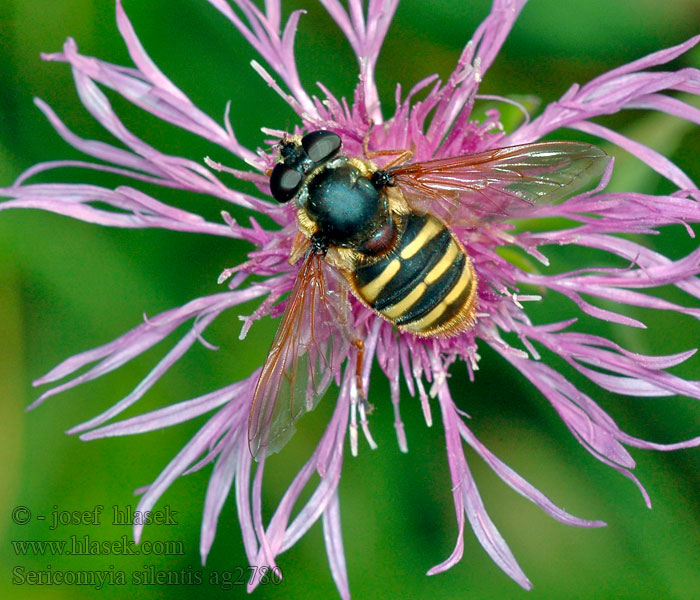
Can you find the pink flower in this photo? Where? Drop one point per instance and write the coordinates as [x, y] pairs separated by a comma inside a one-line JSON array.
[[440, 125]]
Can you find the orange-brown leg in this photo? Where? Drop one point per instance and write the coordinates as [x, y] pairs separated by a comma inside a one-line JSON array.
[[402, 156], [359, 367]]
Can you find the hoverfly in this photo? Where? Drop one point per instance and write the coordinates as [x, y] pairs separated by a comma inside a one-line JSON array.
[[383, 234]]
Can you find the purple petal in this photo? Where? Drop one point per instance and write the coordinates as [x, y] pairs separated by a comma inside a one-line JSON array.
[[333, 537], [263, 35], [218, 489], [173, 414], [521, 486], [187, 455], [131, 344], [467, 498]]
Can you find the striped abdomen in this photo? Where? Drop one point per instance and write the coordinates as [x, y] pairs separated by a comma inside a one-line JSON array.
[[426, 284]]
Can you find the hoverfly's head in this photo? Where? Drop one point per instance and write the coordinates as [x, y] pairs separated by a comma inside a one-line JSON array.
[[298, 158]]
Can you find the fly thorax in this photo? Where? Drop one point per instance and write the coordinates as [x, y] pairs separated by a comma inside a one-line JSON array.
[[344, 204]]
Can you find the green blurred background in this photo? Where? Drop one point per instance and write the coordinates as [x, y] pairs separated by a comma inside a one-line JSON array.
[[67, 286]]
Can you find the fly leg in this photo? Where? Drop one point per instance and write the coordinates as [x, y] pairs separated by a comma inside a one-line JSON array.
[[359, 367], [402, 156]]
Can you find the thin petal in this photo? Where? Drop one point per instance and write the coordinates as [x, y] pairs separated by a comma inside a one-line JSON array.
[[333, 537], [521, 486], [467, 498], [218, 489], [185, 457]]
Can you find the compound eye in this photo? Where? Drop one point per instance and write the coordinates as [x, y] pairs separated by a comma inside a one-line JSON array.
[[321, 146], [284, 183]]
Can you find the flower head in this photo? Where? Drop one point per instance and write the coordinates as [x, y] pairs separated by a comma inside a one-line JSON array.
[[440, 125]]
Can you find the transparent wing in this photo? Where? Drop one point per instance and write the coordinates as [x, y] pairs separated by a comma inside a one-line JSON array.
[[501, 183], [305, 354]]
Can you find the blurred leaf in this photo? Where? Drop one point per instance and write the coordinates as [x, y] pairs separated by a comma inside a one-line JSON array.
[[13, 383]]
